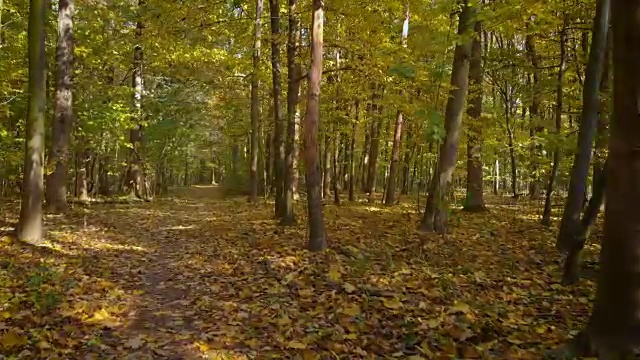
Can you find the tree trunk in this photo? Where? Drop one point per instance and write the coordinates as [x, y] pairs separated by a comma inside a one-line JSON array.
[[496, 179], [30, 225], [586, 132], [56, 190], [278, 132], [512, 150], [82, 188], [326, 162], [254, 179], [535, 183], [135, 179], [453, 123], [546, 215], [572, 262], [374, 153], [317, 240], [352, 154], [293, 92], [615, 325], [335, 181], [364, 160], [602, 135], [475, 186], [395, 161]]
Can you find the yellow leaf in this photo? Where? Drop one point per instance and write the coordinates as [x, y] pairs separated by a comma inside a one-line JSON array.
[[351, 336], [349, 288], [12, 339], [138, 292], [392, 303], [103, 317], [293, 344], [334, 274], [351, 310], [203, 347]]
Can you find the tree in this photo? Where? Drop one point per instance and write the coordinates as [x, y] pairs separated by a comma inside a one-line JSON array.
[[588, 120], [56, 190], [434, 218], [293, 92], [317, 240], [278, 132], [546, 215], [475, 185], [135, 177], [397, 134], [614, 325], [255, 105], [30, 225]]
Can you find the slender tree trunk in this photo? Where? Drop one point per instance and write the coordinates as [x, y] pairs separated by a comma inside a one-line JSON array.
[[293, 92], [56, 190], [615, 325], [364, 161], [512, 150], [374, 153], [352, 154], [586, 132], [254, 179], [335, 181], [475, 186], [453, 122], [278, 133], [317, 240], [546, 215], [30, 225], [82, 185], [326, 154], [534, 113], [602, 136], [395, 161], [135, 177], [573, 261], [496, 179]]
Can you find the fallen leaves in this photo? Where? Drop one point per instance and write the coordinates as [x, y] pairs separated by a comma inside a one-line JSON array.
[[200, 288]]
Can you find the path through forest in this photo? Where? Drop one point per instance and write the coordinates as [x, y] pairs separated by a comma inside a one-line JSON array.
[[198, 276]]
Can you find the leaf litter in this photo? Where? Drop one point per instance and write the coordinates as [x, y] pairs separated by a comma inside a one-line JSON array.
[[202, 277]]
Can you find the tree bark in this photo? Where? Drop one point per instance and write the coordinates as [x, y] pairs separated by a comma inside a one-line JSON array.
[[293, 92], [546, 215], [586, 132], [254, 179], [56, 189], [352, 154], [475, 185], [30, 225], [453, 122], [573, 261], [317, 240], [534, 110], [326, 162], [614, 325], [395, 161], [135, 177], [278, 133]]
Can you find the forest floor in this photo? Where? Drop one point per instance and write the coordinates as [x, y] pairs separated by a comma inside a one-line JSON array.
[[197, 276]]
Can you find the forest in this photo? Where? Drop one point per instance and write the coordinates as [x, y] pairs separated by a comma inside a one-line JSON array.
[[320, 179]]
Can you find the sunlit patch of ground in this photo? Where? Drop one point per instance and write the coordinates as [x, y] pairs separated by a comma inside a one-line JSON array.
[[203, 277]]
